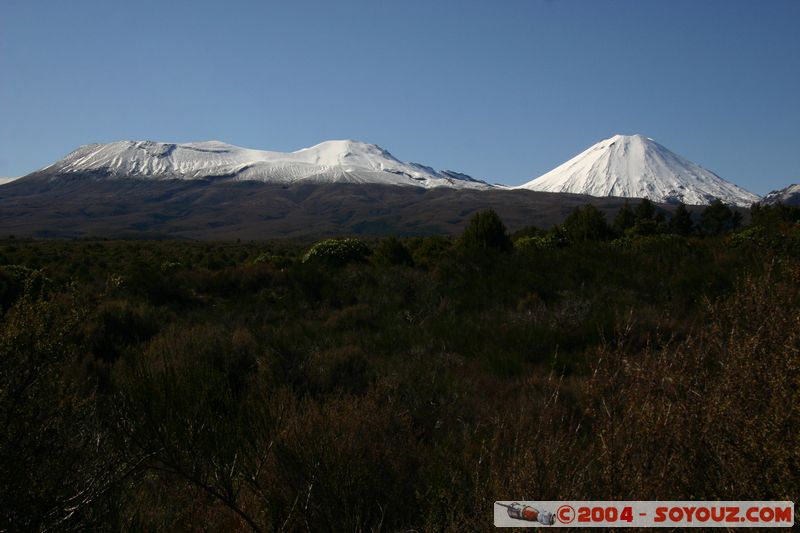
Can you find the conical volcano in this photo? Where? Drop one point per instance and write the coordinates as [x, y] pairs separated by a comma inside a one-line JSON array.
[[635, 166]]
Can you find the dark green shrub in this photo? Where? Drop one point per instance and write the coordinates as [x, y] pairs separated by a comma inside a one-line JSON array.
[[427, 251], [547, 242], [390, 251], [756, 236], [486, 232], [117, 325], [279, 261], [774, 216]]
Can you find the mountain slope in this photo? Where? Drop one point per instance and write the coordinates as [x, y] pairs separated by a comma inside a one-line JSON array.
[[229, 209], [638, 167], [328, 162], [788, 196]]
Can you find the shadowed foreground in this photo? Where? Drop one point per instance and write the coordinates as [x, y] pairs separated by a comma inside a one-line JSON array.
[[393, 385]]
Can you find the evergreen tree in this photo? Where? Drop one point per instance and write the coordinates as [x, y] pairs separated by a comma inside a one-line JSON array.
[[645, 210], [736, 220], [773, 216], [718, 218], [624, 220], [586, 223], [648, 221], [681, 221], [485, 231]]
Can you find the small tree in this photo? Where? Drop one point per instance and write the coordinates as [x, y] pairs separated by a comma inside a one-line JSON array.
[[486, 232], [649, 221], [645, 210], [681, 221], [736, 220], [624, 220], [586, 223], [718, 218]]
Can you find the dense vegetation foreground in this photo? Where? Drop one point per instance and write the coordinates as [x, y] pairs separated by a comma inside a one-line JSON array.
[[392, 385]]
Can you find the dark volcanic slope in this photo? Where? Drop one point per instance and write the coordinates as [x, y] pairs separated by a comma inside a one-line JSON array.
[[84, 207]]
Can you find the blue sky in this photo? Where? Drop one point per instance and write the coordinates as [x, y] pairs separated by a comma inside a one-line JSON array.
[[501, 89]]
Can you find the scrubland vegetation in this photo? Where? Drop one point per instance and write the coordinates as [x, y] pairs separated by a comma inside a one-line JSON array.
[[399, 385]]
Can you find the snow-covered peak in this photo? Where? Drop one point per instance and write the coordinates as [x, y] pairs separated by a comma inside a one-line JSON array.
[[636, 138], [638, 167], [355, 154], [330, 161], [789, 195]]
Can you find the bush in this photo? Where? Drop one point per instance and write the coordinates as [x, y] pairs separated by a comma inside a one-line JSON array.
[[391, 251], [267, 258], [55, 463], [546, 242], [337, 252], [195, 410], [427, 251], [117, 325]]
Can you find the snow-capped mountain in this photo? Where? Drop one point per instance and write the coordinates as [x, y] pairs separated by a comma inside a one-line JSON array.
[[638, 167], [789, 196], [328, 162], [6, 179]]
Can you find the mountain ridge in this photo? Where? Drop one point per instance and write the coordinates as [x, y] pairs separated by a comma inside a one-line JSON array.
[[225, 209], [338, 161], [625, 166], [788, 195], [214, 190]]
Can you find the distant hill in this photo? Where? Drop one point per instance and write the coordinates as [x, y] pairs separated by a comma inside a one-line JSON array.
[[202, 209]]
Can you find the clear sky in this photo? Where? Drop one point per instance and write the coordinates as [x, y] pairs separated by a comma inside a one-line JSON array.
[[503, 90]]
